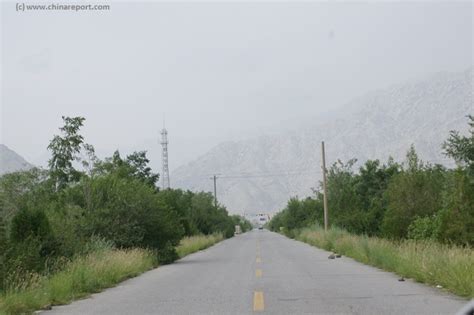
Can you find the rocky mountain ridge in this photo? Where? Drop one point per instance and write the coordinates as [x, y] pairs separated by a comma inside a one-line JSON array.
[[260, 174], [10, 161]]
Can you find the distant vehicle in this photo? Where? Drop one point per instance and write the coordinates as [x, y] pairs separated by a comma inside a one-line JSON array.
[[261, 221], [238, 230]]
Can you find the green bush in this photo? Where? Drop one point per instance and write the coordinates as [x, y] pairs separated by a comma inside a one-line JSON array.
[[425, 228], [167, 254], [3, 248], [415, 192], [59, 215], [30, 224], [244, 224], [31, 242], [457, 217], [129, 213]]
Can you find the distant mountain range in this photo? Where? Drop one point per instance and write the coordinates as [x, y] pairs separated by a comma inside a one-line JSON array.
[[261, 174], [10, 161]]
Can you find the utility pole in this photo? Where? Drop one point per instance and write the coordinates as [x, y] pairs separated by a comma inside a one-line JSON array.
[[325, 199], [215, 189]]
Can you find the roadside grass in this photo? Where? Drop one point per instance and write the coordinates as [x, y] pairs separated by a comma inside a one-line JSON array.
[[79, 277], [100, 269], [428, 262], [191, 244]]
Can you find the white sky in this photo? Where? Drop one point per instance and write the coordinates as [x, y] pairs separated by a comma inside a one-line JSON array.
[[219, 71]]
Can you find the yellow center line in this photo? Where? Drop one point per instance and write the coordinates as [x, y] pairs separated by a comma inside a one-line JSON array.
[[259, 260], [258, 304], [258, 273]]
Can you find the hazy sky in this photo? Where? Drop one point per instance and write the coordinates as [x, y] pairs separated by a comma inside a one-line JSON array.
[[218, 71]]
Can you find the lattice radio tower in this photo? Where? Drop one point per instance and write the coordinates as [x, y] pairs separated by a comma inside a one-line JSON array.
[[165, 174]]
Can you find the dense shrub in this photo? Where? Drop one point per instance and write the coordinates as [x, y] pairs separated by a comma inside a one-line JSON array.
[[425, 228], [3, 248], [129, 213], [57, 215], [31, 241], [167, 254], [416, 191], [30, 224], [411, 200], [457, 217], [244, 224]]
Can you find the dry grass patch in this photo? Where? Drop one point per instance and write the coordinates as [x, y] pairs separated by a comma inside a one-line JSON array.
[[196, 243], [80, 277], [429, 262]]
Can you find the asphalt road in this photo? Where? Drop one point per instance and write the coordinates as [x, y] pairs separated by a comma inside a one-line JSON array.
[[261, 271]]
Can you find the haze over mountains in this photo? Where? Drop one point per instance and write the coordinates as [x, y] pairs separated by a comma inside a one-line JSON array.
[[10, 161], [261, 174]]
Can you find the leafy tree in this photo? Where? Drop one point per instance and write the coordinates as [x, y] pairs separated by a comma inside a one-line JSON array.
[[207, 218], [139, 165], [19, 189], [3, 248], [244, 224], [181, 202], [461, 148], [69, 225], [370, 184], [90, 161], [298, 214], [64, 150], [30, 224], [457, 216], [277, 221], [414, 192], [128, 212], [31, 241], [134, 165], [344, 203]]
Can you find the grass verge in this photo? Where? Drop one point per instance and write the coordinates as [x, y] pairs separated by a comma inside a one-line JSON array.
[[89, 274], [79, 277], [189, 245], [428, 262]]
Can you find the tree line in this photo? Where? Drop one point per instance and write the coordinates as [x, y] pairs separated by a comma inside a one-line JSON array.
[[48, 216], [413, 199]]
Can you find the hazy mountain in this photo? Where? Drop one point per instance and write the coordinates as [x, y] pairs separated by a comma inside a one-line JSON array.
[[261, 174], [10, 161]]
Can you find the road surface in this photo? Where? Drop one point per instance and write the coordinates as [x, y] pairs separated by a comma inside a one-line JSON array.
[[264, 272]]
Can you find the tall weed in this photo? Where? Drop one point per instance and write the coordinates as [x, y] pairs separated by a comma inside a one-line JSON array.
[[425, 261]]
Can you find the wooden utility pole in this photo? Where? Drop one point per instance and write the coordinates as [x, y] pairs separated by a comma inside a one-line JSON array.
[[325, 199], [215, 190]]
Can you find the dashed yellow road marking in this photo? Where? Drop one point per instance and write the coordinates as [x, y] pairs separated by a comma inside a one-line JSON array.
[[258, 260], [258, 304], [258, 273]]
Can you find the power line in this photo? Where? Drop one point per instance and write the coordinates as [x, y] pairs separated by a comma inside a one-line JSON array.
[[295, 172], [268, 175]]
